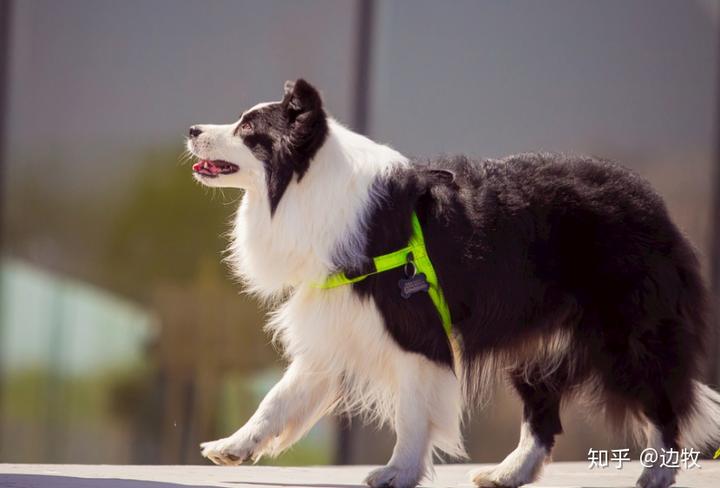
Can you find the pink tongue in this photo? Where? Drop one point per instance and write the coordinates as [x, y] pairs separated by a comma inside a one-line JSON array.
[[207, 166]]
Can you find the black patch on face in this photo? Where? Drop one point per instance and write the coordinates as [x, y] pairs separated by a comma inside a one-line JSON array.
[[285, 136]]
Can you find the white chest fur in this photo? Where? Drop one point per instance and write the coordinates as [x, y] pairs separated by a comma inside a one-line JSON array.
[[318, 218]]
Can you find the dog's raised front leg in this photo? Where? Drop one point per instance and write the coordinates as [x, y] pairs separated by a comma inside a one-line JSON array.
[[287, 412]]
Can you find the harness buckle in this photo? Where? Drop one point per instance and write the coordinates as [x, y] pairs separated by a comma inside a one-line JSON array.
[[410, 265]]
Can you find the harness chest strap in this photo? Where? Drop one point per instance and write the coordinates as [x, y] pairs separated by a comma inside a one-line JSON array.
[[396, 259]]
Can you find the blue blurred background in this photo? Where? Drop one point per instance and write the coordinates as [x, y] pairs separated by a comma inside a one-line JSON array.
[[123, 338]]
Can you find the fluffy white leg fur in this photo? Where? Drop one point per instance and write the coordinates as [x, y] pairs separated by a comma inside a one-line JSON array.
[[344, 337], [520, 467], [288, 411], [656, 476], [345, 359], [426, 415], [410, 458]]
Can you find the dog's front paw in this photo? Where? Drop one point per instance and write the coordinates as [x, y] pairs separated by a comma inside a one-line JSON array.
[[487, 478], [394, 477], [233, 450]]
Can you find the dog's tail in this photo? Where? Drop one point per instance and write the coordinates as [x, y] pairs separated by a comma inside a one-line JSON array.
[[700, 427]]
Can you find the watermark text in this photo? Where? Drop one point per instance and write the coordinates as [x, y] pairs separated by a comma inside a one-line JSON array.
[[666, 458]]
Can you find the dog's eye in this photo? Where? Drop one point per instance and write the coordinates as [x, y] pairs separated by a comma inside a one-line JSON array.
[[246, 126]]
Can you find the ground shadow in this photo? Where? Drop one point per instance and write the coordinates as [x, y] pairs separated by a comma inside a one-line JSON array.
[[50, 481], [302, 485]]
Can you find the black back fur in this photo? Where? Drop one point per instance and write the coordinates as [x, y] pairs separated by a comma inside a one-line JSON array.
[[537, 244]]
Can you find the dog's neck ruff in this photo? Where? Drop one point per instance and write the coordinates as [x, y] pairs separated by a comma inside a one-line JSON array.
[[414, 253]]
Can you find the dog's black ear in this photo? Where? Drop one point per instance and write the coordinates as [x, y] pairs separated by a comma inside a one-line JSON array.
[[441, 176], [307, 123], [301, 98], [429, 179]]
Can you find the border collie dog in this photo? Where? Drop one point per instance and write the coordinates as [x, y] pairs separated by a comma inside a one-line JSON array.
[[562, 274]]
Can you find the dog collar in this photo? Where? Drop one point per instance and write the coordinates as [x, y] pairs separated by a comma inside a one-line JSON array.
[[415, 253]]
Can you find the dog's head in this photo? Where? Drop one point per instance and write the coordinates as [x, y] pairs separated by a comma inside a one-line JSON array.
[[268, 146]]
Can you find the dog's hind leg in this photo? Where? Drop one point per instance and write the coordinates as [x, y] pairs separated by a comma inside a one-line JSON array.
[[662, 434], [658, 475], [427, 416], [541, 423]]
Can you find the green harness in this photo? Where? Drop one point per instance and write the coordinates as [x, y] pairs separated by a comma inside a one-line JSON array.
[[415, 254]]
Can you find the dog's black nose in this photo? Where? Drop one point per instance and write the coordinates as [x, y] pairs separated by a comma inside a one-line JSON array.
[[194, 131]]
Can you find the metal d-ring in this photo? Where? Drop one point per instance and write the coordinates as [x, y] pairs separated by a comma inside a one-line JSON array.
[[410, 262]]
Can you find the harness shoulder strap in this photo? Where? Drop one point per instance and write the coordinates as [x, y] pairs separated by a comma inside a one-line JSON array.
[[417, 252]]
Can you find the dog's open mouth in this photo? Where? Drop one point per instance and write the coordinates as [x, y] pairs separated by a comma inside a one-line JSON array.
[[212, 169]]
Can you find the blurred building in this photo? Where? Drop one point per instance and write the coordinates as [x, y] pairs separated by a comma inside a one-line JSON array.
[[60, 342]]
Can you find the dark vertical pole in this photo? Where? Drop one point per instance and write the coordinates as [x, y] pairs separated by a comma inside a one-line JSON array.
[[4, 62], [363, 64], [714, 366], [361, 110]]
